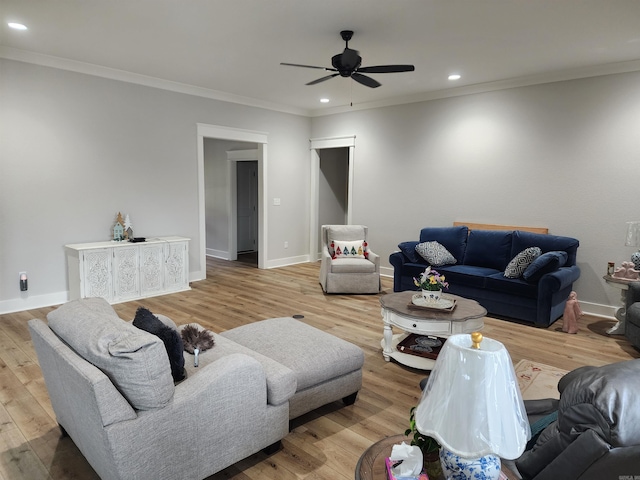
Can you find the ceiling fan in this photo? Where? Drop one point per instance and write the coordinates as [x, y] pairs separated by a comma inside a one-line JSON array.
[[347, 64]]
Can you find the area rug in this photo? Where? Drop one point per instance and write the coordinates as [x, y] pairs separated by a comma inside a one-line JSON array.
[[537, 380]]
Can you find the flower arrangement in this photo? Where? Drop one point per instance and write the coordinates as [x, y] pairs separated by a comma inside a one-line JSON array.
[[430, 280]]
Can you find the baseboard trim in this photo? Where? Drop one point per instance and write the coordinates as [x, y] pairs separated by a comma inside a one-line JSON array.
[[284, 262], [29, 302], [221, 254]]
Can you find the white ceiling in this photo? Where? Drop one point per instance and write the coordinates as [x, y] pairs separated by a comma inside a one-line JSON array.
[[232, 49]]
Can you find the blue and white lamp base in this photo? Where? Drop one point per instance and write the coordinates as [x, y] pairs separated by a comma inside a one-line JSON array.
[[456, 467]]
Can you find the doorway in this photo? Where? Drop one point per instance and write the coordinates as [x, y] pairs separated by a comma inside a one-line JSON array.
[[228, 203], [346, 147]]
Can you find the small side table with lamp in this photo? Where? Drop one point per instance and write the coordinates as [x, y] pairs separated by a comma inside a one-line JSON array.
[[471, 408]]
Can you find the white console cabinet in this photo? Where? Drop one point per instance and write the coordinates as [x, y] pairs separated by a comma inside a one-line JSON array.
[[121, 271]]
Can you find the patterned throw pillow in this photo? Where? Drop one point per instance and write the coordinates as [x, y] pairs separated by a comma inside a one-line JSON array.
[[436, 254], [346, 249], [521, 261]]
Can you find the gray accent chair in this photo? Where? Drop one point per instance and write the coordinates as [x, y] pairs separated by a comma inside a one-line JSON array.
[[632, 316], [348, 275]]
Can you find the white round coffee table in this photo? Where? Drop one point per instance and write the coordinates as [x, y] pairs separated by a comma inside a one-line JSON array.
[[398, 311]]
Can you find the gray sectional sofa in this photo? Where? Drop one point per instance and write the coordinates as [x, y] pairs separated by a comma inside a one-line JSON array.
[[112, 390], [480, 258]]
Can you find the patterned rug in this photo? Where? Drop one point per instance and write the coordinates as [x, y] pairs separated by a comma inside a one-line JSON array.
[[537, 380]]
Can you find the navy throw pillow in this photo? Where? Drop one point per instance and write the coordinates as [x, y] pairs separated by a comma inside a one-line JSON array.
[[147, 321], [545, 263], [409, 249]]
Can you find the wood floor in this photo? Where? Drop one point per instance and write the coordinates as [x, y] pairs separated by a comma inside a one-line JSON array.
[[323, 445]]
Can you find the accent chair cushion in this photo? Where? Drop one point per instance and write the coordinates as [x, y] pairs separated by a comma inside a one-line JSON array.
[[545, 263], [135, 361], [521, 261], [435, 253], [147, 321]]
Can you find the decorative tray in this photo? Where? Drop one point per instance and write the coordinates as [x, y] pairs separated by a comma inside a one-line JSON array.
[[444, 304], [427, 346]]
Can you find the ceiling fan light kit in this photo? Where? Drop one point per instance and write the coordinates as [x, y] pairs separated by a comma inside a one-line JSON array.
[[347, 64]]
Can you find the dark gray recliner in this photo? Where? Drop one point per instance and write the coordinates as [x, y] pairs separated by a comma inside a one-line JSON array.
[[597, 432], [632, 317]]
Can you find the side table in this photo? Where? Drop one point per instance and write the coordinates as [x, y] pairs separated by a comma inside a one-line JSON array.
[[623, 285]]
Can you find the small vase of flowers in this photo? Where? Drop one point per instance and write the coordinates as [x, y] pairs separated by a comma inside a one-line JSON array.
[[432, 284]]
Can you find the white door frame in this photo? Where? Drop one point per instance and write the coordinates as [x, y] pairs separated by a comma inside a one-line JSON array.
[[315, 145], [240, 135]]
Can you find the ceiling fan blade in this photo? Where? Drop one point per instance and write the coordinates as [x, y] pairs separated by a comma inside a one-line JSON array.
[[323, 79], [308, 66], [387, 69], [364, 80]]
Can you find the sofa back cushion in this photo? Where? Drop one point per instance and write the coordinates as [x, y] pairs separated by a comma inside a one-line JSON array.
[[134, 360], [547, 243], [454, 239], [489, 248]]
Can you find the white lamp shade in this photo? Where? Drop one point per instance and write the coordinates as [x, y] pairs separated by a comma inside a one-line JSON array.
[[472, 404]]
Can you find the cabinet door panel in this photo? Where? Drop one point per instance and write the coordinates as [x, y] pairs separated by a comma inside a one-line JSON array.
[[96, 278], [151, 269], [176, 266], [126, 273]]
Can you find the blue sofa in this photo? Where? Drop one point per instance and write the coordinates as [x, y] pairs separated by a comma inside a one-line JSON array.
[[481, 258]]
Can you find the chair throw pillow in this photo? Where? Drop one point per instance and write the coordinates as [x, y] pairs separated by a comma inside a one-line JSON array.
[[521, 261], [348, 249], [435, 253], [147, 321], [545, 263]]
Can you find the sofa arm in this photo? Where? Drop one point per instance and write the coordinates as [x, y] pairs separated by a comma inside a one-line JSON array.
[[221, 413], [557, 280]]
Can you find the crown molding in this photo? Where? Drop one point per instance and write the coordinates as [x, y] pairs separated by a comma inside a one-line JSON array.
[[124, 76], [538, 79]]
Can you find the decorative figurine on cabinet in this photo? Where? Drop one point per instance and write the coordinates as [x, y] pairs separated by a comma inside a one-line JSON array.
[[118, 229]]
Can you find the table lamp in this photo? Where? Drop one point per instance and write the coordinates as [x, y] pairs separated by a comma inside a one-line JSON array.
[[633, 240], [473, 407]]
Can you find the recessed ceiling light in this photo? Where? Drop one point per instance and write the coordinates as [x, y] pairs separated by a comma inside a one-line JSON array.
[[454, 76], [324, 100], [17, 26]]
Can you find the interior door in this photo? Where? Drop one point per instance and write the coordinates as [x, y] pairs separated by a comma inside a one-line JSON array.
[[247, 178]]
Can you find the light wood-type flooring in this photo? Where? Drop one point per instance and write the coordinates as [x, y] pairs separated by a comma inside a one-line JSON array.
[[324, 444]]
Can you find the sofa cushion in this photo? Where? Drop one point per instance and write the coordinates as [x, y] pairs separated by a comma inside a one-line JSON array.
[[147, 321], [488, 248], [512, 286], [547, 243], [467, 275], [134, 360], [453, 239], [409, 250], [521, 261], [435, 254], [545, 263]]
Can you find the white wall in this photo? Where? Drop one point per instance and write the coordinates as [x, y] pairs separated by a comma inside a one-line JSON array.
[[563, 155], [76, 149]]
